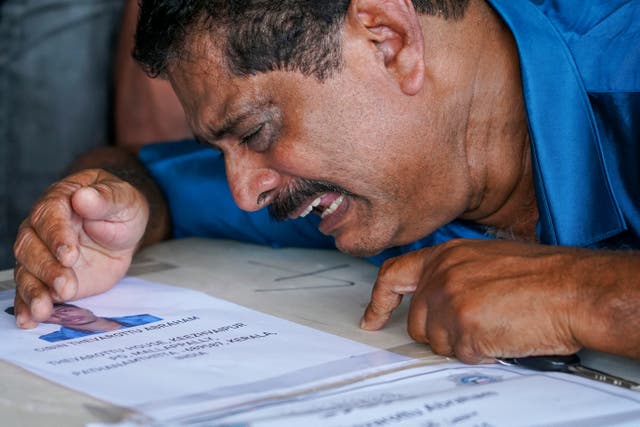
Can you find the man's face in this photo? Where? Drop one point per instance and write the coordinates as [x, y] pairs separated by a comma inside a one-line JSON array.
[[67, 315], [380, 167]]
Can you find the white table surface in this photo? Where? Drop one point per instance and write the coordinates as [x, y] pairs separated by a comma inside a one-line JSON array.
[[328, 300]]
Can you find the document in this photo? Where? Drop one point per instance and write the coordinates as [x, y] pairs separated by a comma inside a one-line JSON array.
[[449, 395], [166, 352], [179, 357]]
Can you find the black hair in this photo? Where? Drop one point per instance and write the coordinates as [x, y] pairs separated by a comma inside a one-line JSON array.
[[257, 35]]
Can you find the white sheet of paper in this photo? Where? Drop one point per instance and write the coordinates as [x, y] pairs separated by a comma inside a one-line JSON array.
[[203, 353], [448, 395]]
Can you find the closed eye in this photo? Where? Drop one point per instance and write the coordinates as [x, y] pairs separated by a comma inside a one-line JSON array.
[[251, 136], [259, 139]]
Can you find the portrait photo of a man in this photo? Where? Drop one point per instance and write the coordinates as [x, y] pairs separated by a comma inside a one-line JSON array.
[[78, 322]]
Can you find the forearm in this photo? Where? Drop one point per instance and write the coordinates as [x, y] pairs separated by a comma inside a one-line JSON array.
[[608, 315], [125, 165]]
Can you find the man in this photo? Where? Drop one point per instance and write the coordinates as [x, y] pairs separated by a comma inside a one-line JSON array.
[[78, 322], [392, 123]]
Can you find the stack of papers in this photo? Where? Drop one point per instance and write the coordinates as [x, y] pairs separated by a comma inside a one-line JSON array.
[[181, 357]]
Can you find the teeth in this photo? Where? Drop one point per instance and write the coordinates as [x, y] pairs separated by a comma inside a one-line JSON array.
[[331, 209], [313, 204]]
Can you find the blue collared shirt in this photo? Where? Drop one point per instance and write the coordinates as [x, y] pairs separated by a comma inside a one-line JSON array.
[[580, 65]]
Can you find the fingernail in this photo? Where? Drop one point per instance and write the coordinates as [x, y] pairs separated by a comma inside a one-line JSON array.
[[20, 319], [58, 285], [363, 323], [23, 321]]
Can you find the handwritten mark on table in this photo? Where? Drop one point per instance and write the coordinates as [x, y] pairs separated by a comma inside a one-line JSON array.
[[319, 273]]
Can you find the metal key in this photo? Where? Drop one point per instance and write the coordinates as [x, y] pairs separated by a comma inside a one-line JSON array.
[[569, 364]]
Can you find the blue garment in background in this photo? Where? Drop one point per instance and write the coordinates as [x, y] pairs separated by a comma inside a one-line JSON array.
[[580, 65], [126, 321]]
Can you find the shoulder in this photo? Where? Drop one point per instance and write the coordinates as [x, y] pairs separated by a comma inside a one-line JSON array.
[[599, 35]]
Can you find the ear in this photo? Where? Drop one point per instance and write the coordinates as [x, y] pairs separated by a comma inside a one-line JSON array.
[[393, 27]]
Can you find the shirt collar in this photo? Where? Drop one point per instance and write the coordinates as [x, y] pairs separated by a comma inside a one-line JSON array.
[[575, 200]]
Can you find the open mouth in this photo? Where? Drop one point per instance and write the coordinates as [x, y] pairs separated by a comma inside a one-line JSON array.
[[306, 196], [323, 205]]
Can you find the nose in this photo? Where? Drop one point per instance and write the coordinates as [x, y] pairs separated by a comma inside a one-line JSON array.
[[251, 181]]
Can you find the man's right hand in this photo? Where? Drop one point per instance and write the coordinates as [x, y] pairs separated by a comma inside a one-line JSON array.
[[78, 241]]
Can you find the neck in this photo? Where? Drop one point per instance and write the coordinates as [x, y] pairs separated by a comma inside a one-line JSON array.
[[497, 140]]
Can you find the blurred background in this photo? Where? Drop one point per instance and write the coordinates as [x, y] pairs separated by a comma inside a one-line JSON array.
[[56, 96]]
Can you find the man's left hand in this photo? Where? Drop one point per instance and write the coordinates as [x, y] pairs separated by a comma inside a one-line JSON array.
[[482, 299]]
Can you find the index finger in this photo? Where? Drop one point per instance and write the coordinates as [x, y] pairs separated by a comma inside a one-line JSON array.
[[397, 277]]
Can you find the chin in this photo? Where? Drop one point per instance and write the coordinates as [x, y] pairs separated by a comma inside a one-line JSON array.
[[360, 248]]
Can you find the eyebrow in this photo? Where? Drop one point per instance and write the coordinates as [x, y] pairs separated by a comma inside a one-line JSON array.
[[229, 124]]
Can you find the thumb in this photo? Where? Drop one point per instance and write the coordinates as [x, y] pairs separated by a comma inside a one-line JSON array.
[[397, 277], [114, 213]]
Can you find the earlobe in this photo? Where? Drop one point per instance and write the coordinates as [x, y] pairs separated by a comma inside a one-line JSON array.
[[394, 28]]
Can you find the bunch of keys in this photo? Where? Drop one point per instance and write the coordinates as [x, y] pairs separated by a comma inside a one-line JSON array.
[[569, 364]]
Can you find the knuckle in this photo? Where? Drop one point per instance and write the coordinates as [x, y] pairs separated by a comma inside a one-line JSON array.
[[378, 307], [58, 194], [387, 265], [468, 354], [66, 186], [23, 242], [47, 270], [438, 338], [47, 207], [108, 190], [449, 292], [27, 287], [382, 290], [378, 293], [50, 221], [18, 272], [468, 318], [386, 271], [454, 251], [116, 190], [441, 348]]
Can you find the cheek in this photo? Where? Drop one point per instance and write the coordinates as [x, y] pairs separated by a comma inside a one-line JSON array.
[[336, 135], [311, 149]]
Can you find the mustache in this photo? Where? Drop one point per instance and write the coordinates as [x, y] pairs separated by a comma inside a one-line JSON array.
[[289, 199]]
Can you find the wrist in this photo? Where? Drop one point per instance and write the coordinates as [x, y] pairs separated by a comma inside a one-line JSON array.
[[606, 303]]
